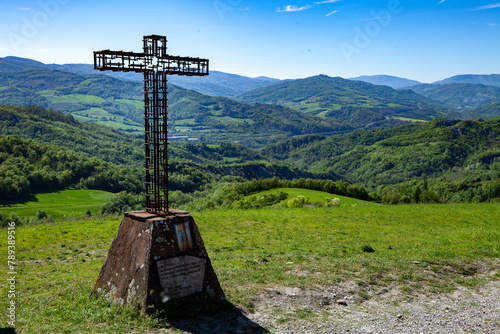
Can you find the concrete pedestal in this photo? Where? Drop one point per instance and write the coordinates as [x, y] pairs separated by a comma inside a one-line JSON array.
[[156, 262]]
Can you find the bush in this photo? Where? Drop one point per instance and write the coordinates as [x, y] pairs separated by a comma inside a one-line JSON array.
[[297, 202], [330, 202], [260, 201]]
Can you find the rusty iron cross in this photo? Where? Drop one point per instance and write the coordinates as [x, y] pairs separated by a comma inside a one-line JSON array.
[[156, 64]]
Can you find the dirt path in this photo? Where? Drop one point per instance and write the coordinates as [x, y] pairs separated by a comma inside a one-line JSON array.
[[335, 310]]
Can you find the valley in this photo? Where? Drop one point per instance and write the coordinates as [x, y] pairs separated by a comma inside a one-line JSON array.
[[316, 197]]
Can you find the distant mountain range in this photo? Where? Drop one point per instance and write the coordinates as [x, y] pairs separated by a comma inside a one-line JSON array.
[[387, 80], [490, 80], [200, 107], [397, 82], [469, 94], [215, 84]]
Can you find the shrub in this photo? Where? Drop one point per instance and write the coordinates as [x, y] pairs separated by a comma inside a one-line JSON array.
[[297, 202], [328, 202]]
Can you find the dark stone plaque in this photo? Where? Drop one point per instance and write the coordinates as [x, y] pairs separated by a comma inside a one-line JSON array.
[[181, 276]]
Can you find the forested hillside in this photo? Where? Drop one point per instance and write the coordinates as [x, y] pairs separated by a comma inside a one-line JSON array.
[[118, 104], [347, 100], [216, 84], [463, 97], [440, 148], [44, 159], [27, 166]]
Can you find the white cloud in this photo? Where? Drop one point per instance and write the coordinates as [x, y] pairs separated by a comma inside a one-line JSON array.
[[41, 50], [493, 5], [293, 8], [335, 11], [493, 24], [440, 2], [25, 9], [326, 1]]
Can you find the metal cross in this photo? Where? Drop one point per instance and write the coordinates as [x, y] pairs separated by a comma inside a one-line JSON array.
[[156, 64]]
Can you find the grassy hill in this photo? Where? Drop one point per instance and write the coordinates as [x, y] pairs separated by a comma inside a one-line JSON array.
[[416, 249], [328, 97], [60, 205]]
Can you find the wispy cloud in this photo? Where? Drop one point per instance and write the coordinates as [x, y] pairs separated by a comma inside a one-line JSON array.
[[335, 11], [293, 8], [326, 1], [440, 2], [493, 24], [25, 9], [493, 5]]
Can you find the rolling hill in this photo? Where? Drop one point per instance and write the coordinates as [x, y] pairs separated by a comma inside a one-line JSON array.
[[216, 84], [461, 96], [440, 148], [118, 103], [346, 100]]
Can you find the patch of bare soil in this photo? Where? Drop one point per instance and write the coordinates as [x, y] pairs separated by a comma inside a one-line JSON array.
[[354, 307]]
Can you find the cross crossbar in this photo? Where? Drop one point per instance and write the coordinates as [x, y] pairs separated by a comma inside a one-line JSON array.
[[156, 64]]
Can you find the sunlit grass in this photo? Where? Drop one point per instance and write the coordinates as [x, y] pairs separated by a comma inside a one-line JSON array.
[[419, 247], [61, 204]]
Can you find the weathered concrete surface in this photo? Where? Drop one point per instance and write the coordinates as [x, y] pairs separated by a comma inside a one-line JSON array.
[[156, 261]]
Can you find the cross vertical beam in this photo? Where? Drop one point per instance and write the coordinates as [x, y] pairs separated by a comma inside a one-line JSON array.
[[156, 64]]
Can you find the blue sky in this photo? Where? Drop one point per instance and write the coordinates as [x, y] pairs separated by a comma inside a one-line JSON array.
[[425, 40]]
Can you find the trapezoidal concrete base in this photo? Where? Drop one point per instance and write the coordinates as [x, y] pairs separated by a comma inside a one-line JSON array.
[[156, 262]]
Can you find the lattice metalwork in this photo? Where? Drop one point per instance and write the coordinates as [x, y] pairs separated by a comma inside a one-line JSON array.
[[156, 64]]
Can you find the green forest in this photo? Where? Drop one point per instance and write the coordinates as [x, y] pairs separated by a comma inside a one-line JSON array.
[[61, 130], [439, 161]]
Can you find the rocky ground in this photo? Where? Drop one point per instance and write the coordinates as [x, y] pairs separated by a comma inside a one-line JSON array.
[[336, 309]]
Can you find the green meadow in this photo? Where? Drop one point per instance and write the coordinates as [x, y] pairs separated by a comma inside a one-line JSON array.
[[313, 195], [420, 248], [64, 204]]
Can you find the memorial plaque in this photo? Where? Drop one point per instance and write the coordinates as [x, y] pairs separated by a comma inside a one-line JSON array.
[[181, 276]]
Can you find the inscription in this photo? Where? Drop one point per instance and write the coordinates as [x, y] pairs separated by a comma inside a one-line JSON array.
[[181, 276]]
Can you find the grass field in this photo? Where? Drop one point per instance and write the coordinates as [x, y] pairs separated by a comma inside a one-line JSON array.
[[61, 204], [421, 248], [314, 195], [409, 119]]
